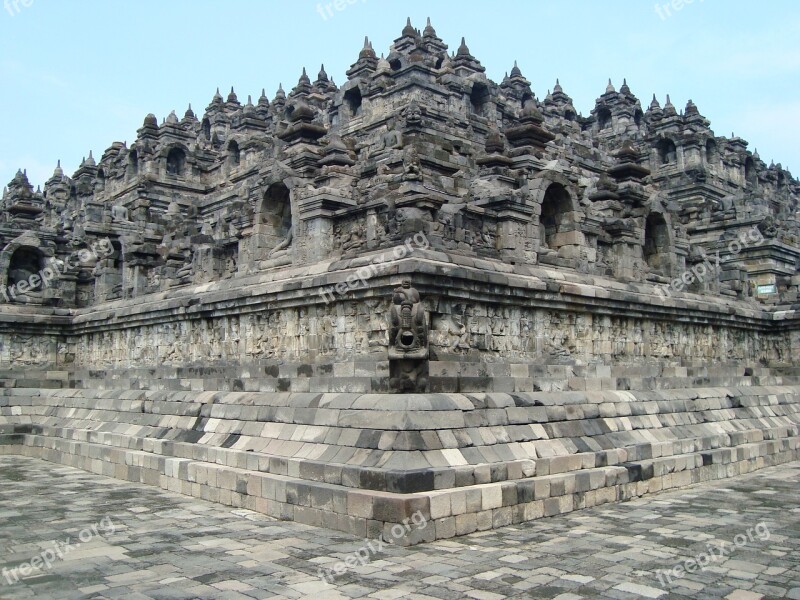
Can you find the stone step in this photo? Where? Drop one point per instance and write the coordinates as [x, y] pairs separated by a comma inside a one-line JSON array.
[[419, 431], [364, 462], [435, 515]]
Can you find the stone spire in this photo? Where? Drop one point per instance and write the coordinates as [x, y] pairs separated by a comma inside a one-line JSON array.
[[336, 153], [263, 103], [367, 61], [628, 167], [303, 87], [654, 112], [463, 49], [464, 62], [323, 84], [56, 178], [279, 101], [383, 66], [367, 51], [216, 104], [249, 108], [408, 30], [429, 30], [669, 109]]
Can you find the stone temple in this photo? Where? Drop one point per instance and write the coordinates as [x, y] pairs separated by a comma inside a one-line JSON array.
[[418, 293]]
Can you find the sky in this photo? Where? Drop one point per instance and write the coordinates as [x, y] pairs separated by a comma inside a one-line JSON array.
[[77, 75]]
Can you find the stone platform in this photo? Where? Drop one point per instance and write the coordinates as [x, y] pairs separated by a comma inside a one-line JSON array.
[[363, 463]]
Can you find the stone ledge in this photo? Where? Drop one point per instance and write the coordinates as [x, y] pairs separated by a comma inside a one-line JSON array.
[[372, 514], [491, 280], [564, 438]]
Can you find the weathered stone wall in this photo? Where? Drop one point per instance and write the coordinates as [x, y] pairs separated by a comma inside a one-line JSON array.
[[21, 350], [353, 329], [541, 317]]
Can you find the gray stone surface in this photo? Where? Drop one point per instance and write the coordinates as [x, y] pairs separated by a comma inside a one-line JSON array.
[[277, 230], [419, 292], [166, 546]]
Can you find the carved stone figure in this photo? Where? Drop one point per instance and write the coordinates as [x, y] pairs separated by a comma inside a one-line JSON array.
[[284, 247], [408, 333]]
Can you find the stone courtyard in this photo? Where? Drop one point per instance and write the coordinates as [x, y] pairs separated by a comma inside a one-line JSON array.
[[169, 547]]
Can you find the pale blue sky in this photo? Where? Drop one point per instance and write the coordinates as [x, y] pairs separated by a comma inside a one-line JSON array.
[[78, 75]]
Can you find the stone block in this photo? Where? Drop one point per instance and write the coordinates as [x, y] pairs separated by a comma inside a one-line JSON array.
[[466, 523]]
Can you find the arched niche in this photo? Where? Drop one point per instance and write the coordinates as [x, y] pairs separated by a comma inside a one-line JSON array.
[[234, 154], [712, 154], [23, 269], [479, 98], [557, 217], [750, 175], [273, 222], [657, 248], [667, 152], [353, 100], [108, 273], [133, 164], [176, 162], [100, 180], [603, 118]]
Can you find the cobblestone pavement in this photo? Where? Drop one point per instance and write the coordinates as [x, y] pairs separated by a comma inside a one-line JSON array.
[[137, 542]]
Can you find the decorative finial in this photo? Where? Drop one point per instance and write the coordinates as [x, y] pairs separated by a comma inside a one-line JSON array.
[[429, 30]]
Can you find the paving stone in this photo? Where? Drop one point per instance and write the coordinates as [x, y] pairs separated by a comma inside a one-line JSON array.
[[173, 547]]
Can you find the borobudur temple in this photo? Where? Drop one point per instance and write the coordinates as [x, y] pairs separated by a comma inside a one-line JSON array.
[[420, 292]]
